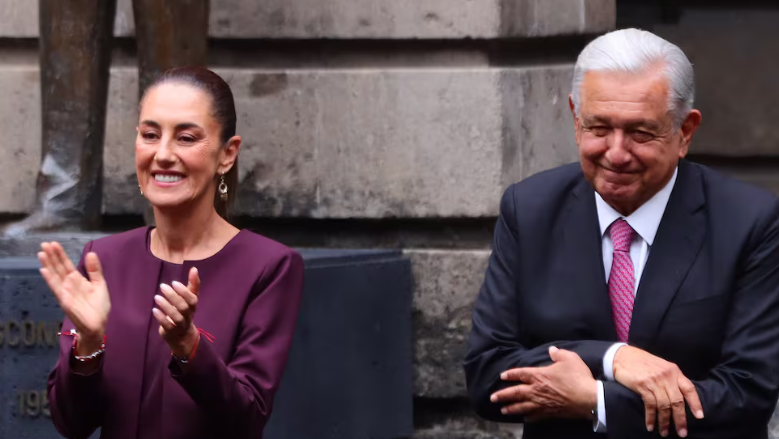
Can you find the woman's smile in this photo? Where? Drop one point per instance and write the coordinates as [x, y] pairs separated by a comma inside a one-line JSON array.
[[167, 179]]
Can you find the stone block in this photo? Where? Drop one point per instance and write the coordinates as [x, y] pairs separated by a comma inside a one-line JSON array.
[[348, 144], [343, 143], [369, 19], [28, 246], [20, 153], [736, 71], [765, 176], [453, 419], [541, 18], [410, 18], [537, 123], [446, 283]]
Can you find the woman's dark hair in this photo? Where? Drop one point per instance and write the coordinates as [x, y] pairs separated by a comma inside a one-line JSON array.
[[222, 110]]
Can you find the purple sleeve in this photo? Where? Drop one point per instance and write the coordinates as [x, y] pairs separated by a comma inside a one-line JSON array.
[[241, 391], [75, 399]]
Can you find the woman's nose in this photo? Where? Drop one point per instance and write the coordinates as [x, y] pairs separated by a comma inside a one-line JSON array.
[[165, 153]]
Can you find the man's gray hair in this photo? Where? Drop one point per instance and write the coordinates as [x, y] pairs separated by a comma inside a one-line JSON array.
[[635, 51]]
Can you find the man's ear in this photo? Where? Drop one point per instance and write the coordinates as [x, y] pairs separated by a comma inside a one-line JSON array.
[[229, 154], [575, 118], [573, 109], [688, 129]]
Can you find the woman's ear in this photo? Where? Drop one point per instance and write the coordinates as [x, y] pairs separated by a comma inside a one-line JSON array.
[[229, 154]]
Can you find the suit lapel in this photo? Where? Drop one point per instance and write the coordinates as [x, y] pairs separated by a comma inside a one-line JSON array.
[[583, 252], [677, 243]]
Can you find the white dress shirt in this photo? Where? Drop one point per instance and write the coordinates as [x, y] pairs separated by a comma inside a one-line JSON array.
[[645, 221]]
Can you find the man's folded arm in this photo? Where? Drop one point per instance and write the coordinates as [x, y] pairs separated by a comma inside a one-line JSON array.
[[493, 345], [742, 390]]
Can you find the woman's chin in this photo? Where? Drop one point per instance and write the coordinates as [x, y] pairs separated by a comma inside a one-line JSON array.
[[168, 202]]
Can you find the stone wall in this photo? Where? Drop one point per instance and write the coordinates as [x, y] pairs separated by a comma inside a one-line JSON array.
[[366, 123]]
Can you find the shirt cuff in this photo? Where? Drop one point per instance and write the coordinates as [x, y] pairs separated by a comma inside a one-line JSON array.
[[608, 361], [600, 426]]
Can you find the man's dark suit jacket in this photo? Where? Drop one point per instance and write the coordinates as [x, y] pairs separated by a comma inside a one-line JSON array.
[[708, 300]]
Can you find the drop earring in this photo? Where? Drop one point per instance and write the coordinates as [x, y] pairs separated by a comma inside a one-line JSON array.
[[223, 188], [139, 188]]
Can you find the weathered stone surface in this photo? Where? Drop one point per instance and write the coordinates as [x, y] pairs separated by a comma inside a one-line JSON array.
[[537, 18], [737, 102], [453, 419], [367, 18], [773, 426], [20, 153], [765, 176], [537, 123], [446, 284], [345, 143], [453, 430], [29, 245]]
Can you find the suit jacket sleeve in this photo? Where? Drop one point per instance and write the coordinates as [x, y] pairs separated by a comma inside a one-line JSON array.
[[75, 400], [241, 390], [494, 343], [741, 392]]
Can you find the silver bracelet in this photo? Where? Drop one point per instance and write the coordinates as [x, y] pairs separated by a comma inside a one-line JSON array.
[[92, 356], [83, 358]]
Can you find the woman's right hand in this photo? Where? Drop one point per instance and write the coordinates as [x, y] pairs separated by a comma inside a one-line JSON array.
[[85, 301]]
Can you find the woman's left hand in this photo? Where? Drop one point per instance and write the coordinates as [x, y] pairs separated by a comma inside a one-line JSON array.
[[177, 306]]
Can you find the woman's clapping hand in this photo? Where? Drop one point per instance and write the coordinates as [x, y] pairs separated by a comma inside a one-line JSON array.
[[86, 302], [177, 305]]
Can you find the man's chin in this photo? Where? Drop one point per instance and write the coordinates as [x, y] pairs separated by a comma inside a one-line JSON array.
[[617, 196]]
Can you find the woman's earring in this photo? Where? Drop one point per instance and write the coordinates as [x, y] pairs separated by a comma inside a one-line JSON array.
[[223, 188], [139, 188]]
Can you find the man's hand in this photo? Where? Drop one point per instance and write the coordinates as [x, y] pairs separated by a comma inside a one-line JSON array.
[[661, 385], [565, 389]]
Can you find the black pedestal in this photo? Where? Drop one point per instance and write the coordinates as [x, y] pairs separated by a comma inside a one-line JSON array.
[[349, 373]]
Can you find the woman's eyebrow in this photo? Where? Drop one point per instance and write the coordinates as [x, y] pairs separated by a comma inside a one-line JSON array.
[[181, 126]]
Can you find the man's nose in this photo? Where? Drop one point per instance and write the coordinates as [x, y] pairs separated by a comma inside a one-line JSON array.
[[618, 153]]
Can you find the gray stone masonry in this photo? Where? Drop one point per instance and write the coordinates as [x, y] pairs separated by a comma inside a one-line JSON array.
[[371, 19], [341, 143]]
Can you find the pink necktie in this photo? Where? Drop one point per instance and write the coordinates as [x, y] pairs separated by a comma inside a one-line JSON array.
[[621, 279]]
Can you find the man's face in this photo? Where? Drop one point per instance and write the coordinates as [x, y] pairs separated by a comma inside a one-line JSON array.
[[628, 145]]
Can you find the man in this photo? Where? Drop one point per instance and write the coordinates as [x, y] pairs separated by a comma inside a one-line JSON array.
[[75, 55], [634, 294]]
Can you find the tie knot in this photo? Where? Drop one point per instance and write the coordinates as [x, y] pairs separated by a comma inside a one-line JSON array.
[[621, 235]]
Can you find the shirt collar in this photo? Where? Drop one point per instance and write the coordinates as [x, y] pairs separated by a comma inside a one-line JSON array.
[[645, 220]]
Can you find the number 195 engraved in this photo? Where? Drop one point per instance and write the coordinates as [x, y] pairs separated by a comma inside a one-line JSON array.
[[33, 403]]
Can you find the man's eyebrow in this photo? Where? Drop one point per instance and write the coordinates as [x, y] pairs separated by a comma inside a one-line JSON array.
[[633, 124], [643, 123], [596, 119]]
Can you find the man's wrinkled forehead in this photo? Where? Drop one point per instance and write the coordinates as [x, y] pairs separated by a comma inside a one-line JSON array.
[[627, 95]]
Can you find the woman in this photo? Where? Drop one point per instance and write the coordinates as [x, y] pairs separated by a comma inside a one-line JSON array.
[[183, 330]]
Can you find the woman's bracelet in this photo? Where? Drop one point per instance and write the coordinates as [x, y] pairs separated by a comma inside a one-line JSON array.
[[83, 358], [188, 358]]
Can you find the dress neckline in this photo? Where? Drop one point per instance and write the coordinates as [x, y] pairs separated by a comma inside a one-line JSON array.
[[190, 261]]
